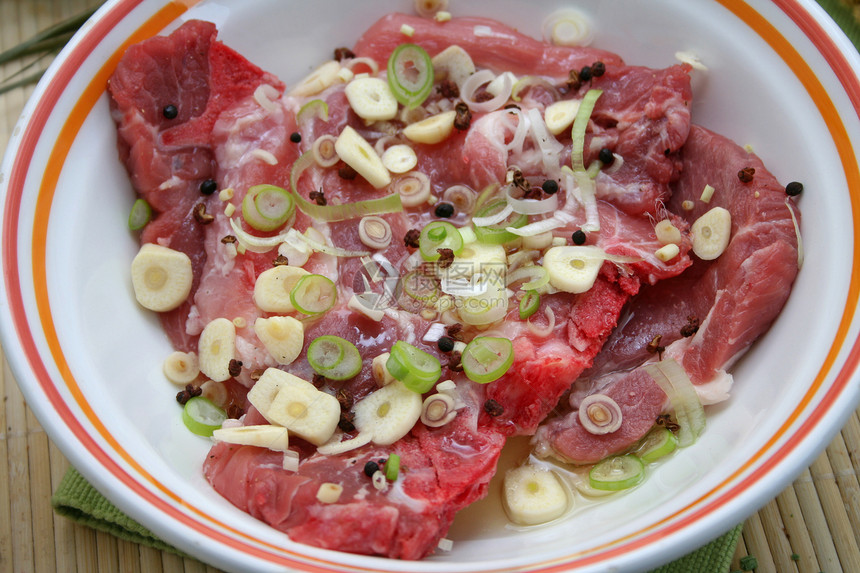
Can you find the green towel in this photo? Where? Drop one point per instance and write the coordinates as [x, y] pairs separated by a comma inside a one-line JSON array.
[[79, 501]]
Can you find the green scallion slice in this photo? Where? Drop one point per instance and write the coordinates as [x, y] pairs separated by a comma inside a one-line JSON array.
[[529, 304], [658, 443], [392, 467], [342, 211], [140, 215], [439, 235], [616, 473], [487, 358], [334, 357], [417, 369], [580, 124], [410, 75], [419, 286], [315, 108], [496, 234], [267, 207], [313, 294], [202, 417]]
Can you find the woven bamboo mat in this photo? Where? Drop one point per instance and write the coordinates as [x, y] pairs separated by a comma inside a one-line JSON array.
[[812, 526]]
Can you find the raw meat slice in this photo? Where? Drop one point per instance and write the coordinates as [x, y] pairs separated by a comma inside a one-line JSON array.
[[493, 44], [168, 158], [733, 300], [445, 469]]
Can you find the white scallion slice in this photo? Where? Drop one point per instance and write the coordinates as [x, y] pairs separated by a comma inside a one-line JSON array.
[[413, 188], [475, 81], [689, 413], [568, 27]]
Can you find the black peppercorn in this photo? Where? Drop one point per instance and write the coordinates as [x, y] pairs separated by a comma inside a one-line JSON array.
[[578, 237], [794, 188], [371, 468], [444, 210], [585, 73], [295, 137], [550, 187], [208, 187], [170, 111], [605, 156], [445, 344]]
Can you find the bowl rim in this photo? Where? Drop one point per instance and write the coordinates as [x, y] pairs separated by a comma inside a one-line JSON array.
[[26, 357]]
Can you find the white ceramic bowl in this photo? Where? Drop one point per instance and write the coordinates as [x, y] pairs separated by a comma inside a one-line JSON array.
[[781, 77]]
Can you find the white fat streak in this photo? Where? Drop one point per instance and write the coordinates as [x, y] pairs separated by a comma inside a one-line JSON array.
[[170, 183], [264, 156], [481, 31], [193, 324], [397, 495]]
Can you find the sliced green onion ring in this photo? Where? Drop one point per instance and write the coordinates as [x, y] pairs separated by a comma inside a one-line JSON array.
[[537, 274], [334, 357], [580, 124], [487, 194], [392, 467], [410, 75], [419, 286], [439, 235], [616, 473], [342, 212], [658, 443], [497, 234], [267, 207], [140, 215], [487, 358], [313, 294], [315, 108], [689, 413], [417, 369], [202, 417], [529, 304]]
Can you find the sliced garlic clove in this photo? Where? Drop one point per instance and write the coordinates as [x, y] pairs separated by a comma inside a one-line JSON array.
[[161, 277]]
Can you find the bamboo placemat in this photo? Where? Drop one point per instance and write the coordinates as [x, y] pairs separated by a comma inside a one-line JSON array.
[[812, 526]]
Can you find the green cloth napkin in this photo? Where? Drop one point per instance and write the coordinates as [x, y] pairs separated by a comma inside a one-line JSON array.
[[77, 500]]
